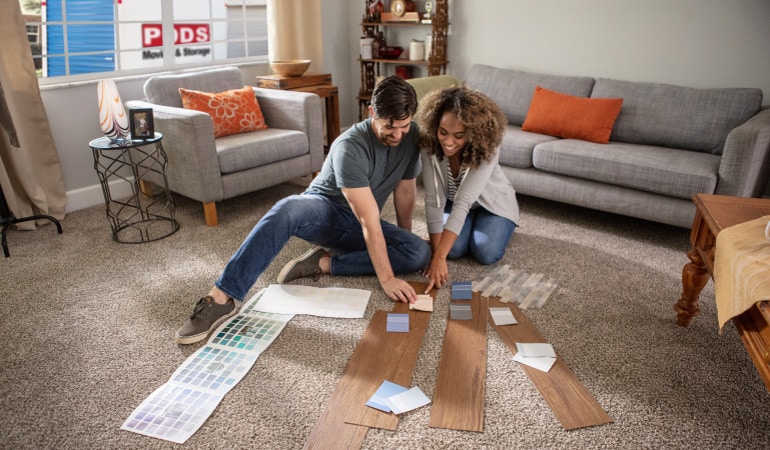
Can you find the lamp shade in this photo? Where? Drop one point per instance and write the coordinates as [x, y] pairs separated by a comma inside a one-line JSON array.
[[112, 114]]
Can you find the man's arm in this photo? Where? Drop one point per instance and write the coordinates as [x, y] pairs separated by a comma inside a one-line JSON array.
[[365, 208], [403, 200]]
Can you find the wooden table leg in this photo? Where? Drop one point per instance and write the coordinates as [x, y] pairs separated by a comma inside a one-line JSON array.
[[695, 275]]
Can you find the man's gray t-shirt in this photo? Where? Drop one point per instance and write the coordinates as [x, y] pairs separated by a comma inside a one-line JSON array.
[[358, 159]]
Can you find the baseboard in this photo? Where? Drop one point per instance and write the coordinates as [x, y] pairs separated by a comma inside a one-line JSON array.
[[89, 196]]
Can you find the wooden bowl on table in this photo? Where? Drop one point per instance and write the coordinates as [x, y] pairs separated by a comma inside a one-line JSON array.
[[290, 67]]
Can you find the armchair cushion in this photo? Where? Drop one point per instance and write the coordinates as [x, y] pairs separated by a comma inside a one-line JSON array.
[[233, 111]]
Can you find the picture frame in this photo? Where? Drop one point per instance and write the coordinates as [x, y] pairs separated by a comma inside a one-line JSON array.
[[141, 123]]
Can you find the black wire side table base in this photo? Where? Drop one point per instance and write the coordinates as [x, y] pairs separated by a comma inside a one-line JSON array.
[[139, 217], [7, 219]]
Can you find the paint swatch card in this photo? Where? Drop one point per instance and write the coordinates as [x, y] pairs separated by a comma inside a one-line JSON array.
[[386, 389], [462, 290], [535, 349], [541, 356], [397, 323], [407, 400], [502, 315], [215, 369], [424, 303], [460, 311], [173, 412], [177, 409]]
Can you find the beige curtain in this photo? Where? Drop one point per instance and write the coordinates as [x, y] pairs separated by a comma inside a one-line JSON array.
[[294, 31], [30, 173]]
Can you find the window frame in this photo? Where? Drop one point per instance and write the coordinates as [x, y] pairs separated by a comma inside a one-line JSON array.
[[169, 63]]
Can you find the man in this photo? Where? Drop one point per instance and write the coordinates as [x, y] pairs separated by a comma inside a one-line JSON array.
[[339, 211]]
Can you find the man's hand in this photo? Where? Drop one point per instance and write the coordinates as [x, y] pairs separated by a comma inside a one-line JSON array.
[[399, 290]]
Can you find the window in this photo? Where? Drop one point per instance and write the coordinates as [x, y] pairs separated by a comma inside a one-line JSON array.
[[84, 39]]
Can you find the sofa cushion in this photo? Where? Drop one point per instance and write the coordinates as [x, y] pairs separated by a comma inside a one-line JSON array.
[[678, 116], [512, 89], [667, 171], [517, 146], [164, 89], [567, 116], [239, 152]]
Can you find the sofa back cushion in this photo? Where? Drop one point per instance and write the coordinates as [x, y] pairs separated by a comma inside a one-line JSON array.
[[164, 89], [513, 89], [678, 116]]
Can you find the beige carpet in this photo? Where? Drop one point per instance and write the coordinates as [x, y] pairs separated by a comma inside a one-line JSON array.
[[88, 324]]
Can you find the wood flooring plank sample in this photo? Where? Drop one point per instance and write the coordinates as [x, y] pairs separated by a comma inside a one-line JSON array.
[[458, 399], [568, 398], [378, 356], [384, 356]]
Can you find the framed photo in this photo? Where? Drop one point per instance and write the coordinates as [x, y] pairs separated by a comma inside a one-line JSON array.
[[141, 123]]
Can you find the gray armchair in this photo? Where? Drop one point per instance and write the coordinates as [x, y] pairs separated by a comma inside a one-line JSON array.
[[209, 169]]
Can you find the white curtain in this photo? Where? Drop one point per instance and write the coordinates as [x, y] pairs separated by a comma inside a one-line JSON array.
[[294, 31], [30, 171]]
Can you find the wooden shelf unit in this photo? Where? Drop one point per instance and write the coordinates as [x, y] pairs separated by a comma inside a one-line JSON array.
[[436, 63]]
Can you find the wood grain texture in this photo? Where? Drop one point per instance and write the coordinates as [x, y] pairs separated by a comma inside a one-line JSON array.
[[458, 399], [379, 356], [568, 398]]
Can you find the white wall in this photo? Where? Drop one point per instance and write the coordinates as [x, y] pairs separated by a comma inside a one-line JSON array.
[[699, 43]]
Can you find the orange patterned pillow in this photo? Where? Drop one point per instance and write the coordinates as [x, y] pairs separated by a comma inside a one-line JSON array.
[[234, 111], [567, 116]]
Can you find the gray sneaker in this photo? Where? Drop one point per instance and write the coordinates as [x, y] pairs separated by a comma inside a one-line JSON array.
[[303, 266], [205, 318]]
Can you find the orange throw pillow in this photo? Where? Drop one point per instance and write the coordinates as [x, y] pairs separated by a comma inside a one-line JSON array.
[[567, 116], [234, 111]]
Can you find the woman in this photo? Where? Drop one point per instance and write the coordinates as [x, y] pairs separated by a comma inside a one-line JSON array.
[[470, 205]]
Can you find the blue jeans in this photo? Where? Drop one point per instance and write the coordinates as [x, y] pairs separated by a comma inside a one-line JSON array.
[[484, 235], [323, 222]]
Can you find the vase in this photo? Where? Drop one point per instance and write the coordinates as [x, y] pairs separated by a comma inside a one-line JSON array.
[[112, 114]]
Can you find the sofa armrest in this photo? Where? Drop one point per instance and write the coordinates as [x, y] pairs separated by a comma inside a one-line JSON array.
[[745, 164], [188, 140], [293, 110]]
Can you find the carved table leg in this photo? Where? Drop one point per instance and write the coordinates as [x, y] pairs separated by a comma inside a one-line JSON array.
[[694, 277]]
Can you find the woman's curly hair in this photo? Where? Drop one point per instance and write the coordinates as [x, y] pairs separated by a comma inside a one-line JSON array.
[[484, 122]]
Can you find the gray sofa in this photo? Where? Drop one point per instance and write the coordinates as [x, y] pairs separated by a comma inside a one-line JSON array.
[[668, 143]]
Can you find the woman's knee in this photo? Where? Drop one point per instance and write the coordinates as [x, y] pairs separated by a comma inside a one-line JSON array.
[[487, 254], [486, 258]]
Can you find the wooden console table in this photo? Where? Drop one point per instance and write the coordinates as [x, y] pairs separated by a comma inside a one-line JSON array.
[[315, 83], [715, 213]]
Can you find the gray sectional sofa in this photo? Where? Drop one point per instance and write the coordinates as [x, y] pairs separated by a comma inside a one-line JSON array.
[[668, 143]]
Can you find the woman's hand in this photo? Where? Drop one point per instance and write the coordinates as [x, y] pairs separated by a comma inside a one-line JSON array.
[[437, 273]]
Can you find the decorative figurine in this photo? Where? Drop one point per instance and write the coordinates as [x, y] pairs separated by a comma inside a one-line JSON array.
[[428, 10]]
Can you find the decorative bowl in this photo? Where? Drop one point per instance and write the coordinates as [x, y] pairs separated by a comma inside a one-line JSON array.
[[391, 52], [290, 67]]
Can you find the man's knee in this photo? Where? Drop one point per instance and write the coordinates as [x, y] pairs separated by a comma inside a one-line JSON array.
[[420, 255]]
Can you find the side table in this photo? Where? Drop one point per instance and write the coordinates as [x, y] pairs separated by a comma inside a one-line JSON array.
[[713, 214], [315, 83], [140, 217]]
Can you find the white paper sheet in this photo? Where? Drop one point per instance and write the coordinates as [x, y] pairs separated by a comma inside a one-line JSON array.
[[543, 363], [535, 349], [326, 302]]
